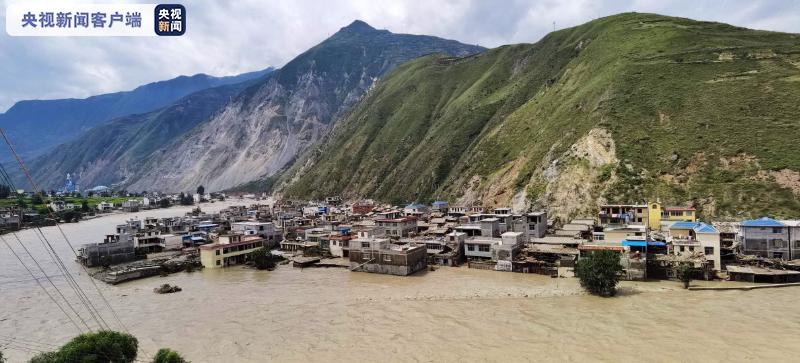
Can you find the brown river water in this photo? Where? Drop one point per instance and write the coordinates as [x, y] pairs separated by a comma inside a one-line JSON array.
[[451, 314]]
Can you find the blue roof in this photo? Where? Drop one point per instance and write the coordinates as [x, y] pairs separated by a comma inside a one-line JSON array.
[[415, 206], [634, 243], [656, 243], [698, 227], [762, 222], [439, 203]]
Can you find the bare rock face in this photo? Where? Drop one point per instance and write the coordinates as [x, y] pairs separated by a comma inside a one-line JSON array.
[[269, 124]]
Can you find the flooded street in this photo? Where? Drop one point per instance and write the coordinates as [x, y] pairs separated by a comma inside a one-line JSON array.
[[451, 314]]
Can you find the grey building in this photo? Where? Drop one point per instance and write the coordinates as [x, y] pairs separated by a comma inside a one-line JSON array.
[[770, 238]]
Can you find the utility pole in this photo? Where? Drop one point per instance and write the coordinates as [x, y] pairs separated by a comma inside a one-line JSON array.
[[554, 26]]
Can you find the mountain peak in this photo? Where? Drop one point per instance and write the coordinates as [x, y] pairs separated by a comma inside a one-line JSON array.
[[358, 26]]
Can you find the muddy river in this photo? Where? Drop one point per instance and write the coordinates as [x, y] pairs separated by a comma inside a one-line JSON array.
[[451, 314]]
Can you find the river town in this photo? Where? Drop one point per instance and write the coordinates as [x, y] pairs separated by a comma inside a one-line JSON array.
[[651, 239], [465, 275]]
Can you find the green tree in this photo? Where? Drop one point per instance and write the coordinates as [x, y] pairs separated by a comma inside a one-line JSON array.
[[166, 355], [263, 259], [599, 272], [85, 207], [684, 273], [37, 199], [201, 190], [164, 203], [97, 347]]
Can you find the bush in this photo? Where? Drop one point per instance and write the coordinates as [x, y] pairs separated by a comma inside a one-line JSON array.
[[599, 272], [684, 273], [99, 347], [263, 259], [166, 355]]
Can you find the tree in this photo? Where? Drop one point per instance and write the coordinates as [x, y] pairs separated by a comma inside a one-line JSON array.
[[2, 359], [263, 259], [166, 355], [5, 192], [599, 272], [85, 207], [186, 199], [37, 199], [684, 273], [201, 190], [164, 203], [101, 346]]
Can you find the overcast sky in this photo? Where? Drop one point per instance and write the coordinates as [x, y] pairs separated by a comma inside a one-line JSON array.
[[228, 37]]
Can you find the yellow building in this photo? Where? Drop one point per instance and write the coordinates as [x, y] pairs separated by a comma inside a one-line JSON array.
[[229, 250], [658, 214], [654, 216]]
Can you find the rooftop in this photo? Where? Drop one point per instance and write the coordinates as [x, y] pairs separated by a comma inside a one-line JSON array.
[[762, 222]]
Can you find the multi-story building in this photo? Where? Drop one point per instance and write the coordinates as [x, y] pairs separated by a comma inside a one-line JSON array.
[[230, 249], [398, 227], [693, 237], [767, 237]]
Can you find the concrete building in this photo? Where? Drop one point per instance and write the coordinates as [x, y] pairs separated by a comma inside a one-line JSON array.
[[446, 251], [696, 237], [111, 251], [266, 230], [398, 227], [379, 256], [230, 249], [767, 237], [623, 214]]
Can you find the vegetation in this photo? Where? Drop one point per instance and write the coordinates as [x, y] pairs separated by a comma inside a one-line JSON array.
[[166, 355], [263, 259], [102, 346], [2, 359], [599, 272], [684, 273], [700, 113], [201, 190]]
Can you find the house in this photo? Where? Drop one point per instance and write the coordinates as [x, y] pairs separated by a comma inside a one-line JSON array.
[[380, 256], [339, 242], [363, 207], [510, 244], [230, 249], [104, 207], [9, 218], [398, 227], [662, 216], [131, 205], [439, 206], [416, 210], [60, 205], [266, 230], [623, 214], [770, 238], [112, 250], [613, 236], [148, 240], [479, 248], [448, 250], [696, 237]]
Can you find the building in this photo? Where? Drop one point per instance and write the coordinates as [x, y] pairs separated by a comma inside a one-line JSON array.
[[266, 230], [416, 210], [131, 205], [448, 250], [363, 207], [230, 249], [399, 226], [623, 214], [379, 256], [112, 250], [613, 236], [104, 207], [770, 238], [696, 237]]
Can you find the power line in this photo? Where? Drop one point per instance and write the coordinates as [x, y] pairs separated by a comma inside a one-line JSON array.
[[50, 280], [36, 189], [42, 286]]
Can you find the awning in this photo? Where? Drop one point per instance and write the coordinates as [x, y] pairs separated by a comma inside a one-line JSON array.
[[634, 243], [656, 243]]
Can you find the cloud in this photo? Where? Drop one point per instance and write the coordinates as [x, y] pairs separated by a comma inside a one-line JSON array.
[[229, 37]]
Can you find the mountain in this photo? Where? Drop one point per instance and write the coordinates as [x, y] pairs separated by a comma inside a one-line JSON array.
[[622, 109], [35, 126], [111, 152], [267, 125]]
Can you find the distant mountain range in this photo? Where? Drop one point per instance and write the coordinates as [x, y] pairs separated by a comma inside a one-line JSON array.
[[625, 108], [36, 126]]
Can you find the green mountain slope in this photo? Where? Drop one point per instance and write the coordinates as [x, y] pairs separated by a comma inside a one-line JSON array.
[[621, 109]]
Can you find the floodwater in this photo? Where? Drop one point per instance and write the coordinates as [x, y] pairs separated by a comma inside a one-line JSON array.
[[451, 314]]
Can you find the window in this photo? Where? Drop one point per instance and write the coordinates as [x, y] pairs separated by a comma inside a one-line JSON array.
[[470, 247], [484, 248], [691, 249], [683, 248], [364, 244], [218, 262], [709, 251], [387, 258], [776, 243], [217, 252], [777, 230], [366, 256]]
